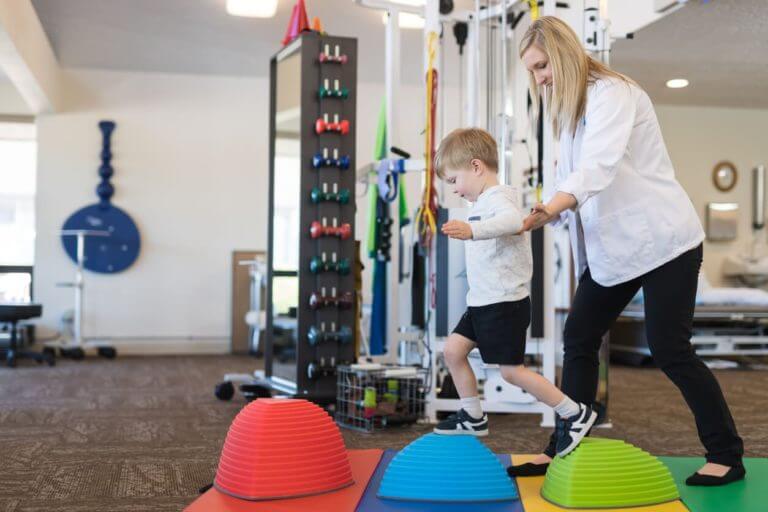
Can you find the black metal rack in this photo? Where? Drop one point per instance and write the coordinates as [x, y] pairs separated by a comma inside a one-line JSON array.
[[304, 345]]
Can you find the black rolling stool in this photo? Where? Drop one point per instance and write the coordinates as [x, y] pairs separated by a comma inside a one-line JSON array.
[[12, 314]]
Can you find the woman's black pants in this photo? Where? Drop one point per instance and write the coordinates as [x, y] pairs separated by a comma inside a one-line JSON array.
[[670, 294]]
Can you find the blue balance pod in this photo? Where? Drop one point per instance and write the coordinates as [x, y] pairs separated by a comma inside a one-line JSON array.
[[446, 468]]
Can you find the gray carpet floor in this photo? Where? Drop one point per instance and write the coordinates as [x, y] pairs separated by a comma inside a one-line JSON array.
[[143, 434]]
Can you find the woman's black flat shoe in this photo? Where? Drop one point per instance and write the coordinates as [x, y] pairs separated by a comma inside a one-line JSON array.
[[528, 469], [734, 474]]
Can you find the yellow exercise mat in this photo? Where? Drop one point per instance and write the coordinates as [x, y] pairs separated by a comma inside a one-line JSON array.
[[530, 494]]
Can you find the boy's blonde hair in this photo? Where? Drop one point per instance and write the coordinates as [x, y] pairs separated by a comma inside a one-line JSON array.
[[463, 145], [572, 69]]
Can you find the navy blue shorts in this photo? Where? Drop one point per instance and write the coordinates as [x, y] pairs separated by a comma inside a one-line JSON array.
[[498, 330]]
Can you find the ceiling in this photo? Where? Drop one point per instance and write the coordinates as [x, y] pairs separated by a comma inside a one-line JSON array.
[[198, 36], [720, 47]]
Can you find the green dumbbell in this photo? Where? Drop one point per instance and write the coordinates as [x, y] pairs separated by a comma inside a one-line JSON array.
[[317, 265], [343, 196], [342, 93], [318, 196], [343, 266]]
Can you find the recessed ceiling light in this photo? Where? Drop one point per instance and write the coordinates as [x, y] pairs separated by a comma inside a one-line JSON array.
[[252, 8], [677, 83], [406, 20]]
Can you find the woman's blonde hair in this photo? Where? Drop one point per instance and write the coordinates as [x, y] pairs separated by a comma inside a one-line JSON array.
[[572, 69]]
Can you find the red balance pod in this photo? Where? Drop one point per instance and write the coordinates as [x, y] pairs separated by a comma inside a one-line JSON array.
[[271, 452]]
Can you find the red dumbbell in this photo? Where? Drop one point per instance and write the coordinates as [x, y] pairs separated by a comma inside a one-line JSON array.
[[344, 301], [324, 57], [322, 125], [342, 127], [344, 231], [336, 57], [317, 230]]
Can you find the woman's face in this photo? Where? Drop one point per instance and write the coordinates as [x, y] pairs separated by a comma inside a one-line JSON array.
[[537, 62]]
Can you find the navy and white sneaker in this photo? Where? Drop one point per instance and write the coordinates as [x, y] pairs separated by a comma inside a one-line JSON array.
[[570, 431], [461, 423]]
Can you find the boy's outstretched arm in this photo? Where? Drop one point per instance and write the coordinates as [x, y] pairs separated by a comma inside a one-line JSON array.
[[457, 229], [508, 221]]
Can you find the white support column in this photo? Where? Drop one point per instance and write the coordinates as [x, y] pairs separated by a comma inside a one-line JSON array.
[[392, 72], [472, 71], [392, 88], [550, 336], [548, 352], [503, 124], [431, 24]]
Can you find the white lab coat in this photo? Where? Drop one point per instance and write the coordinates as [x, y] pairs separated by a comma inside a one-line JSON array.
[[634, 214]]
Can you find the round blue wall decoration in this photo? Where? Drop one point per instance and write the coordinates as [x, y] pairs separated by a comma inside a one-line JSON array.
[[104, 254]]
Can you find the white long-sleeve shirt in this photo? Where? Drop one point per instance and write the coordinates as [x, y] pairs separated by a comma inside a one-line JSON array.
[[499, 262], [634, 214]]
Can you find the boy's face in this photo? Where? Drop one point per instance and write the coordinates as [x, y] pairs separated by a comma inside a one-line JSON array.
[[466, 183]]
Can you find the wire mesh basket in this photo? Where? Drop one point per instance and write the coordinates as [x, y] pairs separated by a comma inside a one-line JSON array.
[[368, 399]]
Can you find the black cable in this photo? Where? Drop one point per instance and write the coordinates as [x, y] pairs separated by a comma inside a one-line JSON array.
[[460, 32], [514, 20], [400, 152], [461, 89]]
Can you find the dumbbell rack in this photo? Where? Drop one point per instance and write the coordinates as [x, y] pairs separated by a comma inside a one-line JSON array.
[[326, 313]]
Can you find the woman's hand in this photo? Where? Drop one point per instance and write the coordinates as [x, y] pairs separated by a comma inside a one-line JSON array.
[[457, 229], [539, 216], [545, 213]]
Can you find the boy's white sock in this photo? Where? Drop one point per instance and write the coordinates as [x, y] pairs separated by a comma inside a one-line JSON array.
[[567, 408], [472, 406]]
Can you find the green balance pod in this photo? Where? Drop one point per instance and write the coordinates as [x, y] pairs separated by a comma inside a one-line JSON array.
[[608, 473]]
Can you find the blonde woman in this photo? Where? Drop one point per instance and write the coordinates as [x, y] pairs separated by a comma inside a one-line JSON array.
[[631, 226]]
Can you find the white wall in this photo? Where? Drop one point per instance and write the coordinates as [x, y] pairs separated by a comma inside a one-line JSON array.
[[699, 137], [191, 168], [190, 160], [11, 102]]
